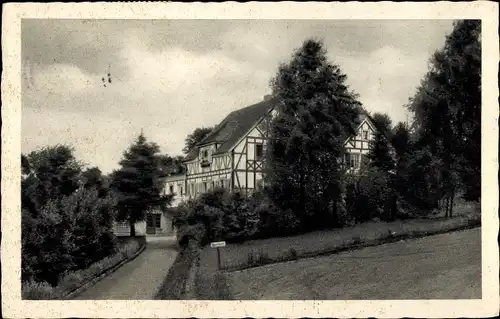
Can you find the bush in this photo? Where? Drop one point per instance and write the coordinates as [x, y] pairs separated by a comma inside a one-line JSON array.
[[33, 290], [68, 234], [174, 285], [369, 196], [273, 222], [192, 233], [217, 215], [72, 280]]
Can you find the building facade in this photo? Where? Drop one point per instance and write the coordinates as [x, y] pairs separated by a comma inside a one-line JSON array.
[[232, 155], [358, 145], [156, 224]]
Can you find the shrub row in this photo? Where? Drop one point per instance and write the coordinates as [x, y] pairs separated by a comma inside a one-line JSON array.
[[233, 217], [260, 257], [174, 285], [71, 281]]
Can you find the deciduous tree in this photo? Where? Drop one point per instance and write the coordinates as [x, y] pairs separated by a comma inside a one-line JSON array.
[[49, 173], [381, 155], [316, 112], [447, 111], [195, 137]]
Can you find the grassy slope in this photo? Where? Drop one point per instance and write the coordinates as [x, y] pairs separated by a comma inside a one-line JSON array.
[[446, 266], [236, 255]]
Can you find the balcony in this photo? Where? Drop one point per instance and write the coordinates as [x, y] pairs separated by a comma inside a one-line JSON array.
[[204, 163]]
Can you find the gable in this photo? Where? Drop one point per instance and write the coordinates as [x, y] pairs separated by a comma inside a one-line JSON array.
[[366, 124], [233, 128]]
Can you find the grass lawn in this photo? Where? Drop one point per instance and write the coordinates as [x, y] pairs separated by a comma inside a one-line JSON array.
[[235, 256], [445, 266]]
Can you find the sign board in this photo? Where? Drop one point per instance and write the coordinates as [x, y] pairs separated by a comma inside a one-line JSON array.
[[218, 244]]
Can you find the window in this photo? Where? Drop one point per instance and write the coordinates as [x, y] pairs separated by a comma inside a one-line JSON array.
[[171, 189], [205, 186], [352, 160], [213, 184], [222, 183], [205, 154], [157, 219], [259, 151], [192, 190], [365, 134], [153, 220], [180, 189]]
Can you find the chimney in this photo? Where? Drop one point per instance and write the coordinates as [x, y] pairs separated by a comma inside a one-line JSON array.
[[267, 97]]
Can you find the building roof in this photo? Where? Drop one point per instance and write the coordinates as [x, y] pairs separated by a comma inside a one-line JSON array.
[[233, 127], [238, 123]]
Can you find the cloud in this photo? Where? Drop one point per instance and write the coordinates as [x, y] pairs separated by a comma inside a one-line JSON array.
[[166, 93], [385, 78], [172, 76], [58, 78]]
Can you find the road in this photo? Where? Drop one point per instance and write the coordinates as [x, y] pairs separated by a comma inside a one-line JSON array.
[[138, 279], [446, 266]]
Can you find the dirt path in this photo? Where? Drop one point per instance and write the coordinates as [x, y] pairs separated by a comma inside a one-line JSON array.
[[444, 266], [138, 279]]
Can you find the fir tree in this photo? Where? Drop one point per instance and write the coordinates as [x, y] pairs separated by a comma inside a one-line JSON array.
[[139, 184]]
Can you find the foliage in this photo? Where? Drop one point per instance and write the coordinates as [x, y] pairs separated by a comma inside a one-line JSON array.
[[382, 122], [195, 137], [216, 215], [69, 233], [93, 178], [138, 184], [369, 196], [48, 174], [380, 155], [447, 114], [316, 112], [172, 165], [175, 284], [72, 280], [33, 290], [273, 222], [67, 214]]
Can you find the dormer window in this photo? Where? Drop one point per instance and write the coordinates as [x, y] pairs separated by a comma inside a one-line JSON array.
[[204, 159], [365, 135]]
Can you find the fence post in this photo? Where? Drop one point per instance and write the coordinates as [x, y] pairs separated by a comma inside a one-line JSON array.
[[218, 258]]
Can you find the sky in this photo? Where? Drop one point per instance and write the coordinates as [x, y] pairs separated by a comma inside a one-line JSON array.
[[169, 77]]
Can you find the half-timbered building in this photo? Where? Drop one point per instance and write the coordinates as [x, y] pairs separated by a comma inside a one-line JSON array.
[[231, 156], [358, 145]]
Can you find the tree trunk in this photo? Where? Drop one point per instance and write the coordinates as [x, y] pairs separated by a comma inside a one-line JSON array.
[[447, 207], [132, 228], [394, 205], [302, 201], [452, 198]]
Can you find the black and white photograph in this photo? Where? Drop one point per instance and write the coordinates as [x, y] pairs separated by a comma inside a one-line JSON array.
[[246, 159]]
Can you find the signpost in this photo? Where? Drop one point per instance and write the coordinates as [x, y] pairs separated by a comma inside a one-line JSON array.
[[218, 245]]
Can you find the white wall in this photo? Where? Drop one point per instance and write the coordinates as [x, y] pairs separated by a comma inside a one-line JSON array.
[[176, 183], [246, 179], [166, 225], [123, 229]]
